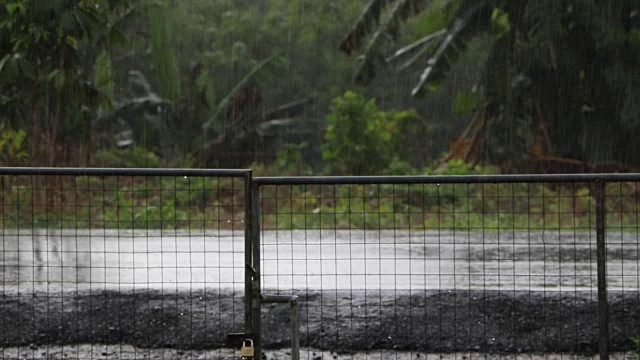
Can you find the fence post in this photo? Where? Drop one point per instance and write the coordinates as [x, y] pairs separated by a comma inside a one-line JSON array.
[[601, 249], [256, 301], [248, 253]]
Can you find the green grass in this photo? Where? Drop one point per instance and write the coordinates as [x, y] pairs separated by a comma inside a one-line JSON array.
[[120, 202], [473, 207], [193, 203]]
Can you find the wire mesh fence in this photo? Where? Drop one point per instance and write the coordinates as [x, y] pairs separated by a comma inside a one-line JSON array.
[[105, 263], [623, 265], [411, 264], [140, 259]]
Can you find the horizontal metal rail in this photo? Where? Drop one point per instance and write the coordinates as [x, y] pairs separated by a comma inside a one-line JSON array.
[[123, 171], [449, 179], [332, 180]]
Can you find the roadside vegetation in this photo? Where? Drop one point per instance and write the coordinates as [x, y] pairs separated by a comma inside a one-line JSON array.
[[540, 87], [218, 203]]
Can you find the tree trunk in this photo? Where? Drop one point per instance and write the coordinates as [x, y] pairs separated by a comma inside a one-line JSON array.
[[35, 142]]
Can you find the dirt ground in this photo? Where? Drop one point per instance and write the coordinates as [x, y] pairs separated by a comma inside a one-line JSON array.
[[333, 325]]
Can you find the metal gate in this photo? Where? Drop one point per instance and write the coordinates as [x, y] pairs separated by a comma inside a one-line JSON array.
[[104, 263], [477, 265], [113, 262]]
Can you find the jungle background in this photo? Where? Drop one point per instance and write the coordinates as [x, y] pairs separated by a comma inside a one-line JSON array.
[[322, 87]]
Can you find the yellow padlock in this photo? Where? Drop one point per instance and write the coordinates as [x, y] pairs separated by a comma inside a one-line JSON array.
[[246, 351]]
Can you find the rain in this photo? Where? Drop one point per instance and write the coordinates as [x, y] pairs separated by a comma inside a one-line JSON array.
[[302, 107]]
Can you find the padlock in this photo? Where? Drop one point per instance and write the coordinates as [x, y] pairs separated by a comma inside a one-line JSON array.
[[246, 351]]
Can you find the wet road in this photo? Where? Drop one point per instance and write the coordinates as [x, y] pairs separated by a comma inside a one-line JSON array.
[[325, 260]]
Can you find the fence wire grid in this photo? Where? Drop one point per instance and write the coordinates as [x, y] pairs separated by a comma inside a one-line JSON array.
[[138, 260], [167, 263], [450, 266]]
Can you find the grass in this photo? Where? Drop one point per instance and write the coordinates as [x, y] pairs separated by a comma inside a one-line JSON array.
[[487, 207], [120, 202], [194, 203]]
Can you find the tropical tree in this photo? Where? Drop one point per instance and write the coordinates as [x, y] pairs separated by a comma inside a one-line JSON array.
[[55, 72], [559, 85], [149, 92], [241, 62]]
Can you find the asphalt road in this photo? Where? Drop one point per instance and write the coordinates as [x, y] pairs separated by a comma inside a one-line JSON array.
[[54, 260]]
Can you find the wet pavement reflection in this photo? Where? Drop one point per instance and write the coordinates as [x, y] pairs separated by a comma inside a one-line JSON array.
[[54, 260]]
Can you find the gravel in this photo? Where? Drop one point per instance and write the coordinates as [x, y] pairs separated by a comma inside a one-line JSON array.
[[333, 325]]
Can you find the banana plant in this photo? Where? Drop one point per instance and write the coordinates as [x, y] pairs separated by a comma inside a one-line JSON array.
[[553, 71], [163, 56], [217, 128], [442, 46]]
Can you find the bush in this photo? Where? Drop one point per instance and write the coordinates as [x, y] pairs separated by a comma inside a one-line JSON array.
[[362, 140], [12, 146]]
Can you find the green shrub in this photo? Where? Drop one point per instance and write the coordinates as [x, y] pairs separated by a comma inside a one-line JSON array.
[[362, 140], [12, 147]]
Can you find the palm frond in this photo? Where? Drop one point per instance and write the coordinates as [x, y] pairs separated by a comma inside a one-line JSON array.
[[473, 18], [215, 121], [164, 59], [415, 50], [386, 32], [367, 21]]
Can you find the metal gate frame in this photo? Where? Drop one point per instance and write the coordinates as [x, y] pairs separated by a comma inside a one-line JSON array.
[[253, 230], [254, 298], [252, 310]]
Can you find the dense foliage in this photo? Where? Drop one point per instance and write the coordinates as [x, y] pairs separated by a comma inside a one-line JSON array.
[[55, 73], [242, 67], [560, 80], [234, 83]]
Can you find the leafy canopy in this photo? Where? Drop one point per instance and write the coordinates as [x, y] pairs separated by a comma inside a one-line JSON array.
[[561, 79]]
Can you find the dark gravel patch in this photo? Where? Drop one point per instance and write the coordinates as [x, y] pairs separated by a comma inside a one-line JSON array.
[[428, 321], [144, 319]]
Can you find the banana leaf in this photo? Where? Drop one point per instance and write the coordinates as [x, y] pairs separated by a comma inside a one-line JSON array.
[[216, 121]]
